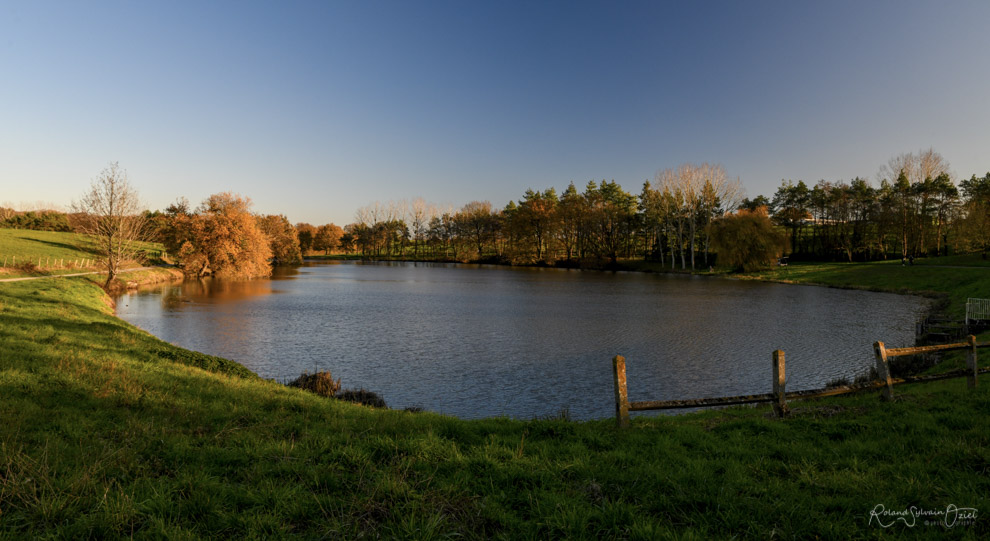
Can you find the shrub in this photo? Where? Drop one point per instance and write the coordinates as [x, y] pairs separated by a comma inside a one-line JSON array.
[[362, 396], [321, 383], [747, 241], [837, 382]]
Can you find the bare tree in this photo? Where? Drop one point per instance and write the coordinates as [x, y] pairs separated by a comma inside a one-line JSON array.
[[113, 218], [419, 217], [7, 211]]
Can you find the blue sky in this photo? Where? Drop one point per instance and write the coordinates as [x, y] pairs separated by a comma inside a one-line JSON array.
[[314, 109]]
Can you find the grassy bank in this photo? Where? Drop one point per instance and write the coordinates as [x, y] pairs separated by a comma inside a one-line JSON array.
[[109, 432], [926, 277]]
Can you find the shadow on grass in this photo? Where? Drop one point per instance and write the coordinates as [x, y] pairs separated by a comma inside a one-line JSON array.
[[63, 245]]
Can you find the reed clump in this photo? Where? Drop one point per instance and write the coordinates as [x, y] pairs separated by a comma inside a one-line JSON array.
[[320, 383]]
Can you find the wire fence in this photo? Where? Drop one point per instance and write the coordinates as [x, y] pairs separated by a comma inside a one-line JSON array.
[[34, 262], [47, 262]]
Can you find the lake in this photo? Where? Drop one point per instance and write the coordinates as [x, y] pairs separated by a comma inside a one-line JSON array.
[[479, 341]]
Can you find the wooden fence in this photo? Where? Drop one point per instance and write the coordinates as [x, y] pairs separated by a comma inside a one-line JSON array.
[[780, 396]]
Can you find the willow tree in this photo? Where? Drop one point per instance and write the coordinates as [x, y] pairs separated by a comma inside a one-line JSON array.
[[222, 238], [113, 218]]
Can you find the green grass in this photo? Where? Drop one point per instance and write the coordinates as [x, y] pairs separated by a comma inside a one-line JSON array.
[[965, 260], [57, 252], [108, 432], [335, 257], [954, 284]]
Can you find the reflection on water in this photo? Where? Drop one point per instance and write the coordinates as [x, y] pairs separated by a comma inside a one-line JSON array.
[[476, 341]]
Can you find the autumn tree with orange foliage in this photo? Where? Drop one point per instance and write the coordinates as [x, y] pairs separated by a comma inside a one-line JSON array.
[[306, 233], [327, 238], [221, 238], [282, 239], [747, 240]]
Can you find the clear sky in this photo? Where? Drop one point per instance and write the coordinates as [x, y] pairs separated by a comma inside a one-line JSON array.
[[313, 109]]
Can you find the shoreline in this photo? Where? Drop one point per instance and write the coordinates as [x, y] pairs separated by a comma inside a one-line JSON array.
[[625, 266]]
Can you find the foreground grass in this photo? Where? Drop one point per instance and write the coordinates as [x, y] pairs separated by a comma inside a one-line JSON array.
[[109, 432]]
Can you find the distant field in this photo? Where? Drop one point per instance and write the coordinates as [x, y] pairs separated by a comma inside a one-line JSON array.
[[966, 260], [50, 252]]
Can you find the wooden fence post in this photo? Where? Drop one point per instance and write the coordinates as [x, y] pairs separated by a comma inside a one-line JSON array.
[[621, 395], [779, 384], [883, 370], [971, 363]]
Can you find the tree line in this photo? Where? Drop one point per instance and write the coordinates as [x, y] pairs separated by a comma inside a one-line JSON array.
[[684, 217], [915, 210], [221, 237], [38, 220], [669, 220]]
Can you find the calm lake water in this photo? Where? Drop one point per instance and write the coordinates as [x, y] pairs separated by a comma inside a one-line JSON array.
[[476, 341]]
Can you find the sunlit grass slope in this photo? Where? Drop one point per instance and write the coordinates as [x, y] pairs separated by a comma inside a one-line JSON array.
[[109, 432], [955, 284], [56, 251]]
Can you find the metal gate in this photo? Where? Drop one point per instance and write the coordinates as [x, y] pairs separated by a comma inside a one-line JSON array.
[[977, 310]]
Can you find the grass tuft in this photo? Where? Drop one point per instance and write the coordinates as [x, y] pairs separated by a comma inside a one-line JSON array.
[[321, 383]]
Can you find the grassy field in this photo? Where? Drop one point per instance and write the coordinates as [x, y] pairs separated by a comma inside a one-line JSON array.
[[966, 260], [950, 282], [109, 432], [57, 253]]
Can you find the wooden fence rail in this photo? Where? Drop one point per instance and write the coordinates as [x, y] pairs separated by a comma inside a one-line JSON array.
[[780, 396]]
